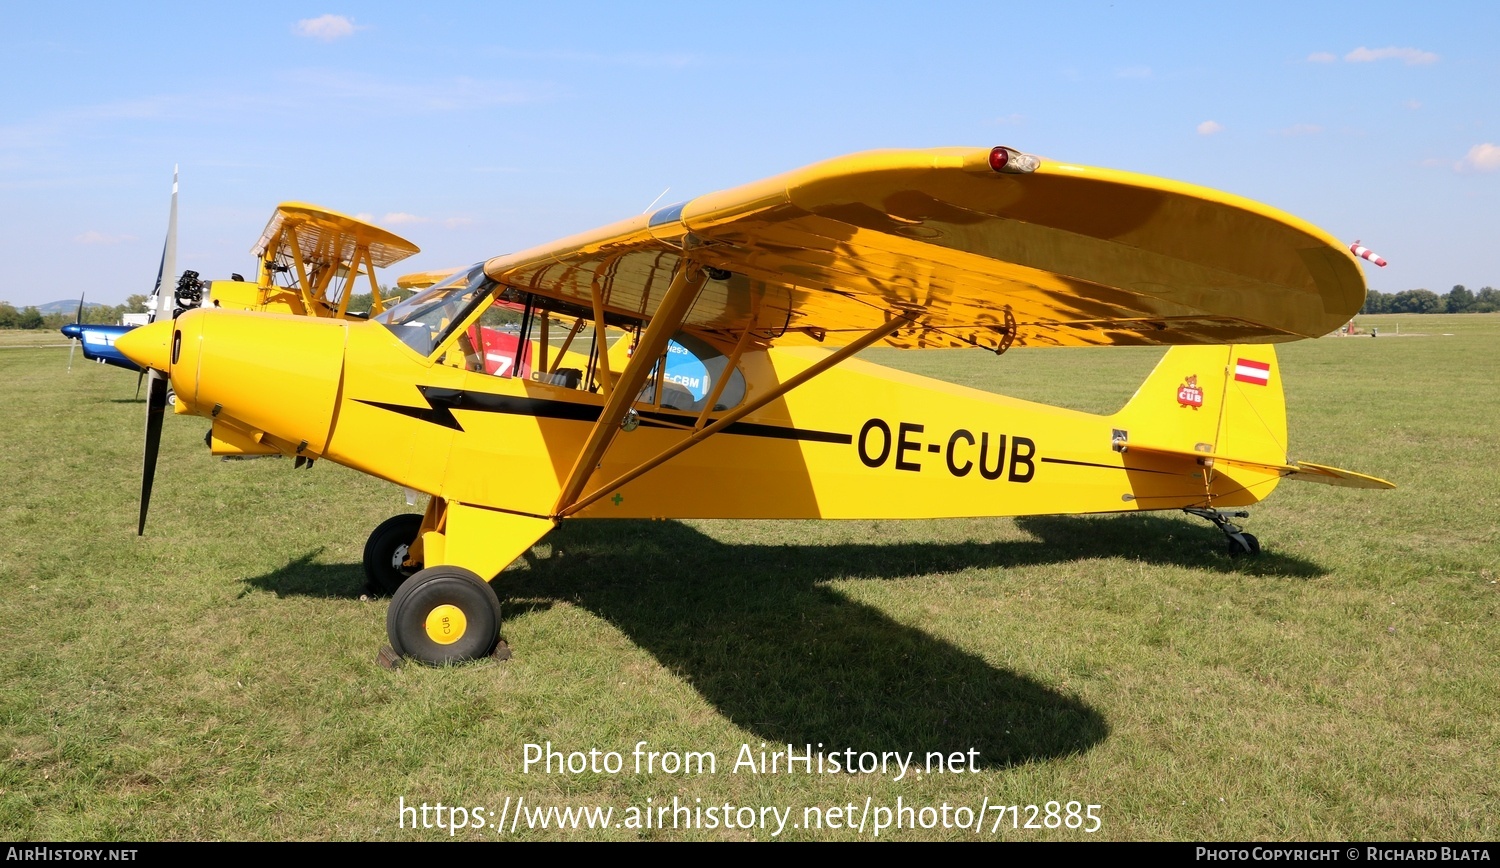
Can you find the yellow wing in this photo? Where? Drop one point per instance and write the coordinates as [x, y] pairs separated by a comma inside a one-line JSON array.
[[1060, 256], [323, 237], [321, 254], [424, 279]]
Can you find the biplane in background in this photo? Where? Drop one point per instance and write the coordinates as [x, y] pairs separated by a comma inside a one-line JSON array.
[[772, 288], [311, 261]]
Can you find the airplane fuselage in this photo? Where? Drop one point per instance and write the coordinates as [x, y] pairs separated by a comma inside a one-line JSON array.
[[857, 441], [98, 343]]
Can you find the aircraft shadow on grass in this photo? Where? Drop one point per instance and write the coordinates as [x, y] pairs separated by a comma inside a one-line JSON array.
[[755, 629]]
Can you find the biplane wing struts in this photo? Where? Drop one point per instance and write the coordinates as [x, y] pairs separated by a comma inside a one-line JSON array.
[[721, 379], [312, 261]]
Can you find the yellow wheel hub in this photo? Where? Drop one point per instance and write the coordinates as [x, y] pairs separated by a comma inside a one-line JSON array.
[[446, 624]]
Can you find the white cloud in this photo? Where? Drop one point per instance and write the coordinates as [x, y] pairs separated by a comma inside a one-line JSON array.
[[401, 218], [1321, 57], [1208, 128], [1013, 119], [456, 222], [95, 237], [1412, 104], [325, 28], [1408, 56], [1481, 158]]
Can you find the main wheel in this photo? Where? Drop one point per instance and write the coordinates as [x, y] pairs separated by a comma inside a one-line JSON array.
[[444, 615], [386, 549]]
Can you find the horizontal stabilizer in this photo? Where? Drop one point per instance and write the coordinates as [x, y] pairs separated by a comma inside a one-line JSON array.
[[1306, 470], [1300, 470]]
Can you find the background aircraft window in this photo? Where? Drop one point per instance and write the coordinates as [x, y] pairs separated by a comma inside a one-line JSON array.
[[491, 344], [693, 367]]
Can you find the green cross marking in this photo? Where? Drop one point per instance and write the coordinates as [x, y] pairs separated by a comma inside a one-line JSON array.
[[617, 498]]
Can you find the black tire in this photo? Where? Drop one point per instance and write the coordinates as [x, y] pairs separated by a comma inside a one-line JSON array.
[[386, 549], [444, 615], [1250, 547]]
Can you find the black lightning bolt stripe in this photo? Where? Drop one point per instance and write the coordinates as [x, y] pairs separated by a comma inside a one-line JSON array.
[[442, 402]]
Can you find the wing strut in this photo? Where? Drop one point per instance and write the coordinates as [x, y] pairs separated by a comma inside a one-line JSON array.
[[664, 323], [377, 304], [601, 344], [739, 412], [290, 238]]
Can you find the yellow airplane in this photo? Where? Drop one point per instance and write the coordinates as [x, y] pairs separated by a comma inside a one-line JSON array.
[[740, 396]]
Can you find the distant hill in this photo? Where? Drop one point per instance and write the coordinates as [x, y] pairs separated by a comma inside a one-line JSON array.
[[66, 306]]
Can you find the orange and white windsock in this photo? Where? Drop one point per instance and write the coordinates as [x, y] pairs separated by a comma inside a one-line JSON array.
[[1366, 253]]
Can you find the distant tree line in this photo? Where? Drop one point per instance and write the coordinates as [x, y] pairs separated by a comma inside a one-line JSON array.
[[1459, 299], [30, 318]]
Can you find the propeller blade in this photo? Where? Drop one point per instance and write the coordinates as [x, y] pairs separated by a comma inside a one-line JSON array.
[[166, 274], [156, 389], [156, 407], [139, 377], [74, 344]]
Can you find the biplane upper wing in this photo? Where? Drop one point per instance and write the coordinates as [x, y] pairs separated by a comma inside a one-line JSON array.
[[321, 236], [315, 246], [966, 254]]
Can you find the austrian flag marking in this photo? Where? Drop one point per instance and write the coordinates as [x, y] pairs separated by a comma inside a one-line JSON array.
[[1251, 371]]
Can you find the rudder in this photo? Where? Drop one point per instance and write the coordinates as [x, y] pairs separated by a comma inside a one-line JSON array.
[[1226, 400]]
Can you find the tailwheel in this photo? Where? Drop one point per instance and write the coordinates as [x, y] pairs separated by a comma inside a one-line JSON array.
[[1240, 543], [444, 614], [1244, 544], [386, 550]]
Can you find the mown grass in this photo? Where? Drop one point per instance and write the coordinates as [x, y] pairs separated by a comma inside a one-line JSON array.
[[217, 680]]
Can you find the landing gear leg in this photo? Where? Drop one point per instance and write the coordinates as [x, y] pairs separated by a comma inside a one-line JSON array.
[[447, 613], [1240, 543]]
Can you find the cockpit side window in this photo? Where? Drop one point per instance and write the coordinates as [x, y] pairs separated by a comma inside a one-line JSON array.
[[493, 344], [693, 368], [554, 343], [424, 321]]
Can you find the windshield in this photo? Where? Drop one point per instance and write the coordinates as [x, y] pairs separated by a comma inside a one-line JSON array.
[[423, 321]]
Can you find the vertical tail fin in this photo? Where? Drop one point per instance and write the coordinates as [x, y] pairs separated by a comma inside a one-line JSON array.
[[1214, 399]]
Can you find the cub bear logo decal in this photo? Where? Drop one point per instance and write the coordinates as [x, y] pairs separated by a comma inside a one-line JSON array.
[[1188, 394]]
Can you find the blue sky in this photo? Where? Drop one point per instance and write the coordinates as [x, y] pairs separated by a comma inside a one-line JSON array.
[[476, 129]]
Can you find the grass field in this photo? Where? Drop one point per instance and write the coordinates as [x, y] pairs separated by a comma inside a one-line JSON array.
[[217, 678]]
